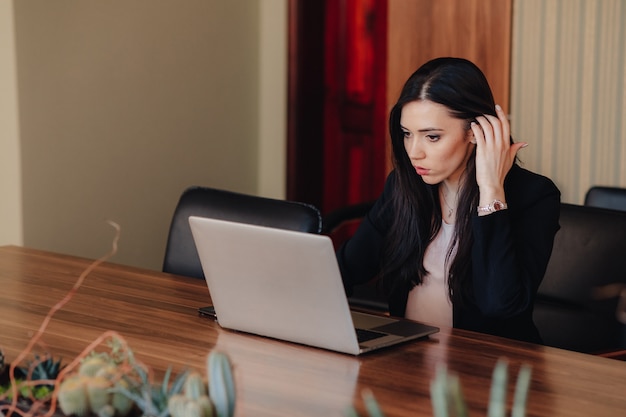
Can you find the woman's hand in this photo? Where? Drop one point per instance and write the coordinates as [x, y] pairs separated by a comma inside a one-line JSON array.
[[494, 154]]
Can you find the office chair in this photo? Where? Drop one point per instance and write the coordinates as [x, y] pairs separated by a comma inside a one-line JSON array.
[[607, 197], [577, 301], [181, 257]]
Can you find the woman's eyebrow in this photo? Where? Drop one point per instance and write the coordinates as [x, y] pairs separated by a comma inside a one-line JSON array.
[[426, 129]]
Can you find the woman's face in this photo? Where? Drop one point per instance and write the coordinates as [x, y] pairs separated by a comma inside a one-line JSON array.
[[437, 144]]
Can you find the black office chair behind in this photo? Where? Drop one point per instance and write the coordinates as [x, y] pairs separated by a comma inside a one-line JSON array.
[[613, 198], [577, 302], [181, 256]]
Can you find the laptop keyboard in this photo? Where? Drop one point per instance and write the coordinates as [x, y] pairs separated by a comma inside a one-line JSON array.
[[363, 335]]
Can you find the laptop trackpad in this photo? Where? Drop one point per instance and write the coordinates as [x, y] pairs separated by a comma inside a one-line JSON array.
[[401, 328], [389, 325], [368, 321]]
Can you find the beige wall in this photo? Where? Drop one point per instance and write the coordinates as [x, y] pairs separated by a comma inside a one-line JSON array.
[[569, 91], [272, 104], [124, 104], [10, 178]]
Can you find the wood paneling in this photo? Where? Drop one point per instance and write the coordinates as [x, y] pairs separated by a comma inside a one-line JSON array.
[[479, 30], [420, 30]]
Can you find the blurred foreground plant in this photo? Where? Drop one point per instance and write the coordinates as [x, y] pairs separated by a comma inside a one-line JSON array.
[[447, 396], [114, 384], [111, 383], [448, 400]]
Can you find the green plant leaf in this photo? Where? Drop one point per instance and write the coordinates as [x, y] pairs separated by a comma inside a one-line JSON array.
[[438, 392], [371, 405], [497, 397], [351, 412], [455, 396], [521, 391]]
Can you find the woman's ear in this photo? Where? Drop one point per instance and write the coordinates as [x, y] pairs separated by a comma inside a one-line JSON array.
[[471, 136]]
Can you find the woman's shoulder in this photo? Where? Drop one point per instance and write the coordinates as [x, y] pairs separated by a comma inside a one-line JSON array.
[[522, 184], [391, 182]]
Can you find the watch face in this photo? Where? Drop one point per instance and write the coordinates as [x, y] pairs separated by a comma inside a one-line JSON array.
[[498, 205]]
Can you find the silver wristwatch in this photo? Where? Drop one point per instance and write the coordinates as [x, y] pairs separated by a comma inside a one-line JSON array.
[[496, 205]]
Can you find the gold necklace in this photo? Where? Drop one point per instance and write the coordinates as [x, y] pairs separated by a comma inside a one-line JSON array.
[[445, 200]]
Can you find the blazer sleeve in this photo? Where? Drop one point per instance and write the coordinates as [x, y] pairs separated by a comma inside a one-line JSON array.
[[511, 248]]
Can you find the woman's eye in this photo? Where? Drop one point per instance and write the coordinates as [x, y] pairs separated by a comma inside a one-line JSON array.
[[406, 134], [433, 138]]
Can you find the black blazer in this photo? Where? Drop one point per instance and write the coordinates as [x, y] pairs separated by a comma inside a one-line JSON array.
[[510, 253]]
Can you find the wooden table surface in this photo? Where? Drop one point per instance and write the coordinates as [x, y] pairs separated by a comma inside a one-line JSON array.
[[157, 314]]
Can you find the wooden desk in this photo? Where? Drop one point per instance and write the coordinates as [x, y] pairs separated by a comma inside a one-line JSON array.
[[156, 313]]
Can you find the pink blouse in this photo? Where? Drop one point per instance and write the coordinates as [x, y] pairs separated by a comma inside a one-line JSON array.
[[429, 302]]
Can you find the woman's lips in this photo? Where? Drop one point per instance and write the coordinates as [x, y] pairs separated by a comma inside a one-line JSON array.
[[422, 171]]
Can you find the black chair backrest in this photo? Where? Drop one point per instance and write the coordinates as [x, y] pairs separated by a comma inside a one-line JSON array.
[[589, 256], [607, 197], [181, 257]]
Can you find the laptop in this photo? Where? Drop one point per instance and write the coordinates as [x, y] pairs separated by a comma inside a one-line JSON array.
[[286, 285]]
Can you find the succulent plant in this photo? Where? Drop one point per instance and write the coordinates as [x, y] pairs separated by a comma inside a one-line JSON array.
[[40, 369], [193, 401], [72, 396], [90, 390], [151, 399], [221, 383], [110, 385], [220, 401], [36, 370]]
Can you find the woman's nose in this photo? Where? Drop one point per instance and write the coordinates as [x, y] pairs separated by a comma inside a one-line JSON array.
[[414, 149]]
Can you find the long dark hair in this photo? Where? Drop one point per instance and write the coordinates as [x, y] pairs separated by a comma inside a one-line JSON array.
[[461, 86]]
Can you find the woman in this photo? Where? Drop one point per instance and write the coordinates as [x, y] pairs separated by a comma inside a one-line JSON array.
[[461, 235]]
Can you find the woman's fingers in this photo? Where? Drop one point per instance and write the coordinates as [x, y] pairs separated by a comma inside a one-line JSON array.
[[494, 154], [504, 123], [493, 130]]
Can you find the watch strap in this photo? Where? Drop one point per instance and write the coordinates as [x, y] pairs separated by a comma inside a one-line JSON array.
[[495, 205]]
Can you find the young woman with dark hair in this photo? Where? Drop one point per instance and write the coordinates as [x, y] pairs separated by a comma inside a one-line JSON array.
[[461, 235]]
